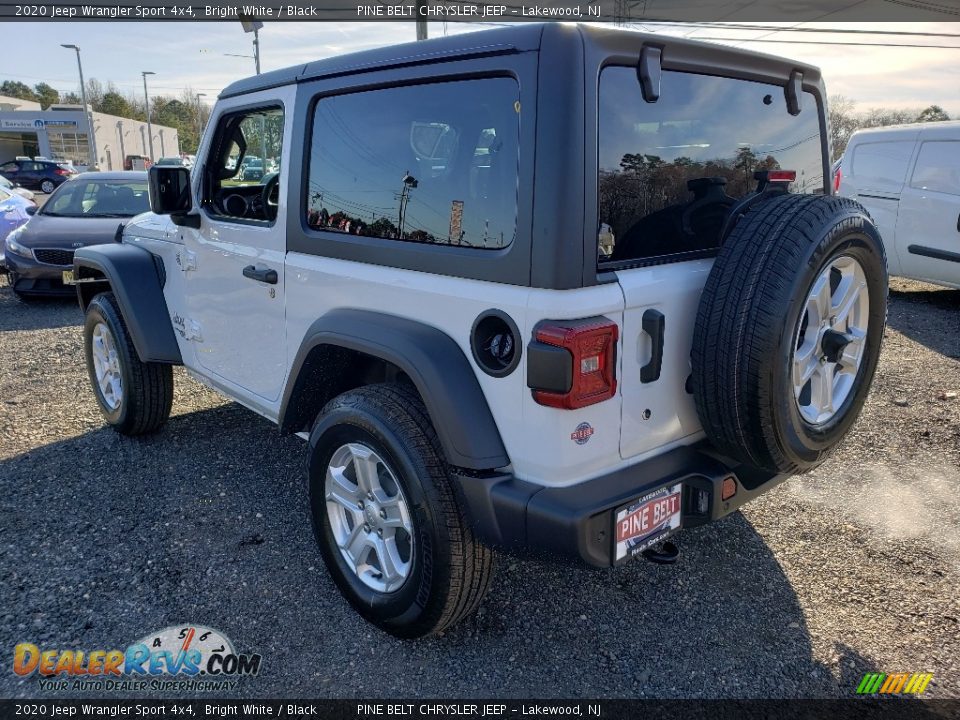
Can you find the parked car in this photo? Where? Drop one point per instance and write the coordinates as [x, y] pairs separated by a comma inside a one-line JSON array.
[[88, 210], [16, 189], [15, 210], [176, 161], [43, 175], [497, 322], [908, 177], [251, 168]]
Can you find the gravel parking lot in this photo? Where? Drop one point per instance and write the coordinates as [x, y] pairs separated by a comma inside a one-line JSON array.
[[850, 569]]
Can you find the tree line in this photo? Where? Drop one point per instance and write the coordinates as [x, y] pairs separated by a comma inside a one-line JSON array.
[[844, 119], [185, 112]]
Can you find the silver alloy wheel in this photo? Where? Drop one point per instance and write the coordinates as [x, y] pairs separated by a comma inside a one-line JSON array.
[[106, 365], [830, 340], [47, 186], [369, 517]]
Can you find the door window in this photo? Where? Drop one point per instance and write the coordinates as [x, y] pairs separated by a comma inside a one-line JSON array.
[[243, 176], [938, 167], [881, 166]]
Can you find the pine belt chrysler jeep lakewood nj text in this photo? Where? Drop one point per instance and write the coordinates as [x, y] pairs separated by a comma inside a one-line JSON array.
[[545, 287]]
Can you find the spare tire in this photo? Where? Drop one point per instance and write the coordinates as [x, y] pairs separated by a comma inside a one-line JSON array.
[[788, 331]]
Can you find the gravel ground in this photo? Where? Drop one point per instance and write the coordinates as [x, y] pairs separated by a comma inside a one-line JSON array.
[[850, 569]]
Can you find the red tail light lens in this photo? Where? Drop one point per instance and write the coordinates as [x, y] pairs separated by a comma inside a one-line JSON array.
[[837, 177], [61, 171], [592, 346]]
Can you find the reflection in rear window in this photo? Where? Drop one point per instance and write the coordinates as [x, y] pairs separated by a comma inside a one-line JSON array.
[[669, 171]]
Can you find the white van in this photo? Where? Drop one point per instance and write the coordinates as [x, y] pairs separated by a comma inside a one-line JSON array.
[[908, 177]]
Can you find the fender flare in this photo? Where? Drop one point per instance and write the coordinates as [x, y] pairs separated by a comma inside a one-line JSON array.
[[434, 362], [135, 278]]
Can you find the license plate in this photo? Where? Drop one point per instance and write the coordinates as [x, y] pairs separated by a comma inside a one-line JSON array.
[[643, 523], [68, 277]]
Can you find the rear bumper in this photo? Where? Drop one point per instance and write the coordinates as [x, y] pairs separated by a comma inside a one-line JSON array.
[[577, 521]]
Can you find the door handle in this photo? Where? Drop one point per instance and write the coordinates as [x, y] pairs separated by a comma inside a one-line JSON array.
[[653, 325], [266, 275]]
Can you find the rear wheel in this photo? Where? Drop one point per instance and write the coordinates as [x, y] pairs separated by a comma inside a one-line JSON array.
[[391, 532], [47, 186], [788, 331], [135, 397]]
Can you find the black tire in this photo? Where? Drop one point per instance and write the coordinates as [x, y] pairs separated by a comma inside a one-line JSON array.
[[450, 571], [747, 329], [47, 186], [147, 388]]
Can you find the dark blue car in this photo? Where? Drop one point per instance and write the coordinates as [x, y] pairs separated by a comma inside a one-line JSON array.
[[86, 211]]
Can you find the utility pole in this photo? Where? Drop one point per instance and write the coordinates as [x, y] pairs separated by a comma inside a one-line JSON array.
[[421, 7], [87, 113], [146, 98], [199, 117], [409, 183], [254, 27]]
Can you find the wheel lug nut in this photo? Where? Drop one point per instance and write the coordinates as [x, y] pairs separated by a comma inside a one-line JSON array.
[[383, 514], [823, 360], [366, 528], [360, 504], [370, 496], [380, 532]]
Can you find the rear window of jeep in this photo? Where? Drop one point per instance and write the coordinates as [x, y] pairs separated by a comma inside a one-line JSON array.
[[433, 163], [670, 170]]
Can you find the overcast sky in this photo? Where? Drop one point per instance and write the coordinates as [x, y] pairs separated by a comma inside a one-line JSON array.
[[192, 55]]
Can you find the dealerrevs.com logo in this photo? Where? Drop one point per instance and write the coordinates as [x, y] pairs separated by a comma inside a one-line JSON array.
[[185, 658]]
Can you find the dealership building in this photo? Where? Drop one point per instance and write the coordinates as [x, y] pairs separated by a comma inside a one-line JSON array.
[[62, 133]]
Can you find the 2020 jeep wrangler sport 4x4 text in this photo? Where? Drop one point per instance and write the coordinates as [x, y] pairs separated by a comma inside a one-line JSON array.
[[547, 287]]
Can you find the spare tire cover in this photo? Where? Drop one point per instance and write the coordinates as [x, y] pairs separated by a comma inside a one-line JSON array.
[[788, 330]]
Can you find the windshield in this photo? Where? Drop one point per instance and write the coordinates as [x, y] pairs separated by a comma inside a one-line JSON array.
[[98, 198]]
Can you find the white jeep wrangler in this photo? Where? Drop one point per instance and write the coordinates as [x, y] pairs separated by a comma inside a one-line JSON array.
[[546, 287]]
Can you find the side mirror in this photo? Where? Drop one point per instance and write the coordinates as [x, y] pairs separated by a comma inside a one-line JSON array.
[[31, 209], [169, 189]]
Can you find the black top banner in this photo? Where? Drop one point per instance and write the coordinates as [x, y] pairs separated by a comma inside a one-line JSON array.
[[614, 11]]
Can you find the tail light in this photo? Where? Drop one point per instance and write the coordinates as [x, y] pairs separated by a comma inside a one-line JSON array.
[[837, 177], [61, 171], [572, 363]]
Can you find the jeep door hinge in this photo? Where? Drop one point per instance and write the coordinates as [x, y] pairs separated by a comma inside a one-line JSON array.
[[187, 260]]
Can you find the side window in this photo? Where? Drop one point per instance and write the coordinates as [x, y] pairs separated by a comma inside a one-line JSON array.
[[938, 167], [670, 171], [242, 175], [10, 167], [433, 163], [881, 165]]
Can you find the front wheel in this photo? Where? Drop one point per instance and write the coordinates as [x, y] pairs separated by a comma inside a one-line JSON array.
[[135, 397], [385, 515]]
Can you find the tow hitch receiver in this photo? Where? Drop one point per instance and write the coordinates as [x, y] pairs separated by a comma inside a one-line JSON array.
[[665, 554]]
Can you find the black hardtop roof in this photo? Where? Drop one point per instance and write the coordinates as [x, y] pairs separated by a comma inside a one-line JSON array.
[[521, 37]]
